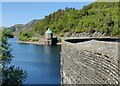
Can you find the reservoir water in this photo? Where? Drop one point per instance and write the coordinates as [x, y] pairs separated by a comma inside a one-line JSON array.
[[42, 63]]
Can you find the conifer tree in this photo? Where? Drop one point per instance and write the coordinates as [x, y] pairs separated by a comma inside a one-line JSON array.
[[11, 75], [5, 50]]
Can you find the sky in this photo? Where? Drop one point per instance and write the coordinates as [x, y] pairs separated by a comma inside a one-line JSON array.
[[23, 12]]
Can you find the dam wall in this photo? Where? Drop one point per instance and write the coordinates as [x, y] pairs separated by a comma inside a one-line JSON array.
[[90, 61]]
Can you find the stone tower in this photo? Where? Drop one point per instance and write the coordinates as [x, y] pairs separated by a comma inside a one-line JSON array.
[[48, 37]]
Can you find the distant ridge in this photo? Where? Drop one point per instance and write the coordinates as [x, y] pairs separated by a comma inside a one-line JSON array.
[[17, 28]]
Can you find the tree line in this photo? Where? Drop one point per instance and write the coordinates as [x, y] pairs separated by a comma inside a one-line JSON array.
[[98, 16]]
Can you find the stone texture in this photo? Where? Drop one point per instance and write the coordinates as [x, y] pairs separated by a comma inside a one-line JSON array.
[[95, 34], [90, 62]]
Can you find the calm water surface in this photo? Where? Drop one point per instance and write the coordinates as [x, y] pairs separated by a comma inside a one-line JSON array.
[[42, 63]]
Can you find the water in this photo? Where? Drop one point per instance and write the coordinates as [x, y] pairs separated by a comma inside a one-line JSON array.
[[42, 63]]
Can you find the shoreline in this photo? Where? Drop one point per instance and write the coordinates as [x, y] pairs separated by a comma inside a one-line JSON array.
[[36, 43]]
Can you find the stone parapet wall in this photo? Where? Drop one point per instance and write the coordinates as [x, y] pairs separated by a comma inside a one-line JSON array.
[[90, 62]]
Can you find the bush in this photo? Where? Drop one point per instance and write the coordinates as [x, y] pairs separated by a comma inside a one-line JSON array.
[[34, 39], [78, 30], [25, 36], [61, 34], [59, 39]]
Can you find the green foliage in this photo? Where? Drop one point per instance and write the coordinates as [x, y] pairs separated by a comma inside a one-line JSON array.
[[13, 76], [61, 34], [98, 16], [10, 30], [25, 36], [59, 40], [5, 50], [34, 39], [9, 34]]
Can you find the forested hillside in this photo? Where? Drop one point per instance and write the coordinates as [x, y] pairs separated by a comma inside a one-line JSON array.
[[98, 16]]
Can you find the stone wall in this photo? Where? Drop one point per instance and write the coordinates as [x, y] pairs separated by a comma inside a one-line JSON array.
[[90, 62]]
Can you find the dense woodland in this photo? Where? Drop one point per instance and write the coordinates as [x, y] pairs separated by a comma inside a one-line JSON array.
[[96, 17]]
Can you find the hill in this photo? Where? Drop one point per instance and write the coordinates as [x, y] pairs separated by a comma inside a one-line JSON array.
[[16, 29], [98, 16]]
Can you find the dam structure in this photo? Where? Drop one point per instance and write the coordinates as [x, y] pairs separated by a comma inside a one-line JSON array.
[[90, 61]]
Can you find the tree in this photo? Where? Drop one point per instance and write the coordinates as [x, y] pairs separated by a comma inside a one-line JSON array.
[[90, 18], [5, 55], [11, 75], [25, 36]]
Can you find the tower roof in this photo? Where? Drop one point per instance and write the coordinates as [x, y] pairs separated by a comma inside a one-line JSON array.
[[48, 31]]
